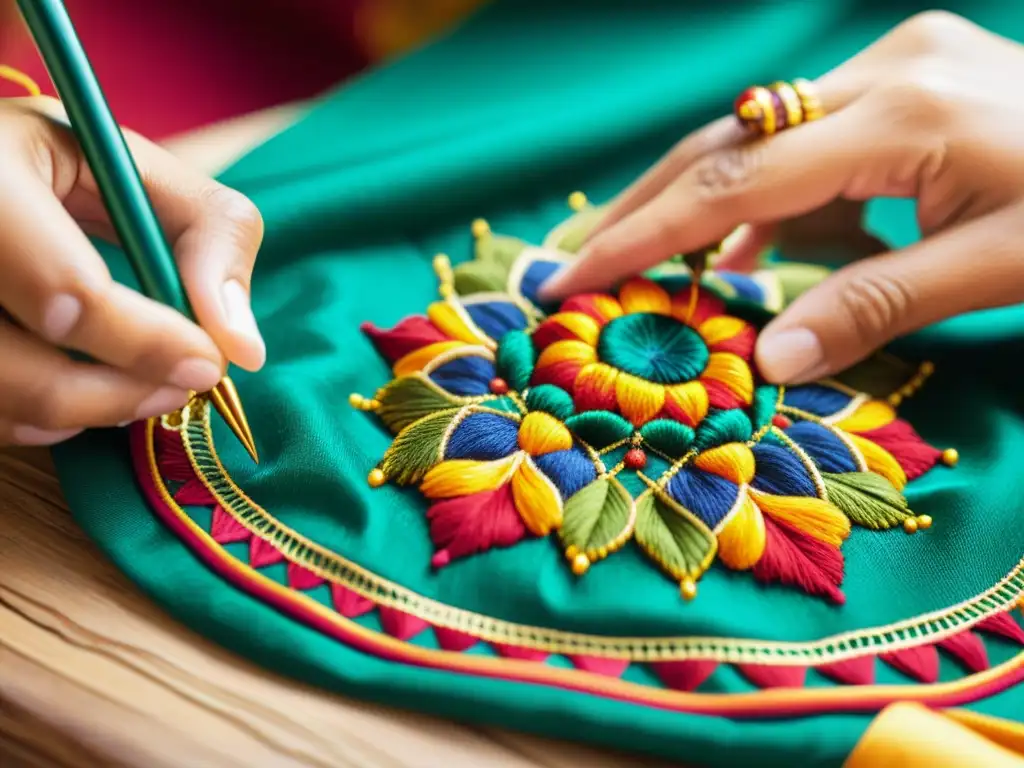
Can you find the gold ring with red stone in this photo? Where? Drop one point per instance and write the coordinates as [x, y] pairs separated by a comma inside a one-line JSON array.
[[769, 109]]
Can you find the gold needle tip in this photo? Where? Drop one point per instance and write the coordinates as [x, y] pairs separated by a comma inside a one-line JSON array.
[[225, 399]]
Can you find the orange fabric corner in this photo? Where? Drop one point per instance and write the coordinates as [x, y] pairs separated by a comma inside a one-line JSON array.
[[907, 735]]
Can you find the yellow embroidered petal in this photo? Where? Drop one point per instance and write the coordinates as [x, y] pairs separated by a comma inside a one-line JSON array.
[[583, 327], [733, 372], [871, 415], [536, 499], [606, 306], [880, 461], [639, 400], [568, 351], [691, 399], [813, 516], [595, 387], [542, 433], [741, 538], [418, 358], [455, 324], [721, 328], [461, 477], [733, 461], [643, 295]]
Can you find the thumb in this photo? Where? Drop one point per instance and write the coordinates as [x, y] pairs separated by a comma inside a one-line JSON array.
[[865, 305]]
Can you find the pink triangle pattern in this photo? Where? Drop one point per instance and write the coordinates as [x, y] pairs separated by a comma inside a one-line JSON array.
[[350, 604], [684, 675], [600, 665], [225, 529], [968, 649], [1002, 625], [401, 625], [773, 676], [301, 578], [453, 640], [262, 553], [194, 494], [920, 663], [518, 652], [856, 671]]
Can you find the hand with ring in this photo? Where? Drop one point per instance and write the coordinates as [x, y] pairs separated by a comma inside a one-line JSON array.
[[928, 112]]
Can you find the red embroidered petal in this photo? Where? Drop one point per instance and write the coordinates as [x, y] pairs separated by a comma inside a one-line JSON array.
[[410, 334], [720, 396], [906, 446], [920, 663], [562, 374], [194, 493], [301, 578], [600, 666], [262, 553], [348, 603], [684, 675], [707, 306], [594, 388], [451, 640], [1004, 625], [742, 344], [794, 558], [599, 306], [171, 457], [968, 649], [400, 624], [771, 676], [858, 671], [466, 525], [225, 529]]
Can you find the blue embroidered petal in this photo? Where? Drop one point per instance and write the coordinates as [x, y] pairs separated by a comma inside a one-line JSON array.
[[823, 446], [744, 285], [570, 470], [779, 471], [707, 496], [483, 437], [817, 399], [468, 375], [496, 318], [534, 276]]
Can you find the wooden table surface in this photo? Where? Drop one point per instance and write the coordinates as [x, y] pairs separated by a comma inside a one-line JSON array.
[[93, 674]]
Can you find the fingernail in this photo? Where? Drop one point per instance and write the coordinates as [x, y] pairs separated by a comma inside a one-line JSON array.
[[791, 357], [27, 435], [61, 315], [238, 308], [163, 401], [196, 374]]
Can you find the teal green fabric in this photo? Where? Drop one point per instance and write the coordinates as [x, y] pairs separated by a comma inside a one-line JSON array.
[[502, 119]]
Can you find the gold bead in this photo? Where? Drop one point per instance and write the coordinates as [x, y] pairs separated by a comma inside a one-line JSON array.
[[927, 368], [356, 400], [910, 525], [577, 201], [480, 227], [950, 457], [376, 478], [580, 564], [924, 522], [895, 399], [602, 552], [688, 589], [572, 551]]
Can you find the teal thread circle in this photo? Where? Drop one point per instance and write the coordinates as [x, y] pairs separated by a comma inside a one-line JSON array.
[[653, 347]]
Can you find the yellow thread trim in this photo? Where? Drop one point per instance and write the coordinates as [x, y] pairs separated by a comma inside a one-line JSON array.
[[332, 567], [17, 77]]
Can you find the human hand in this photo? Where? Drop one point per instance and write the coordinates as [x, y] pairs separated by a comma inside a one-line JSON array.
[[58, 293], [928, 112]]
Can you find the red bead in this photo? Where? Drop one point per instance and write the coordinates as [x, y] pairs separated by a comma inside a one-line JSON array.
[[498, 386], [745, 96], [782, 422], [635, 458]]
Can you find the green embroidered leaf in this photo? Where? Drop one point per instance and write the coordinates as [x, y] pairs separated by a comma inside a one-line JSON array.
[[550, 399], [671, 536], [570, 235], [417, 448], [599, 428], [499, 250], [763, 408], [514, 360], [597, 519], [797, 278], [723, 427], [869, 500], [669, 437], [410, 398], [479, 277]]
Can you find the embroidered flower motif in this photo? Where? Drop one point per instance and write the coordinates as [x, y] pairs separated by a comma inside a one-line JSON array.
[[632, 416]]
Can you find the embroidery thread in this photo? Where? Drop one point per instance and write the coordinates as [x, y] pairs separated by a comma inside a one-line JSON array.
[[632, 415]]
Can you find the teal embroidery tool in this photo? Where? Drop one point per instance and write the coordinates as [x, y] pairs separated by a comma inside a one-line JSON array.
[[118, 179]]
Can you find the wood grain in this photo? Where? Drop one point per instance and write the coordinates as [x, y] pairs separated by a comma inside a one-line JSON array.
[[93, 674]]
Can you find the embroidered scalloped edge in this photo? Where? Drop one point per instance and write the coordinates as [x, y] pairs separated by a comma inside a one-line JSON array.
[[921, 630], [773, 703]]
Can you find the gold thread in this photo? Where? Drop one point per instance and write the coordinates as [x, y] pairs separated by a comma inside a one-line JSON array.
[[335, 568], [18, 77]]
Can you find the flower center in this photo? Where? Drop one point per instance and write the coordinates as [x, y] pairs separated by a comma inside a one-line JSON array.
[[653, 347]]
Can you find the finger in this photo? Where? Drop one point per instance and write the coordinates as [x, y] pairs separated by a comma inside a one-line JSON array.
[[43, 388], [216, 233], [12, 433], [742, 250], [865, 305], [55, 283], [764, 182]]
